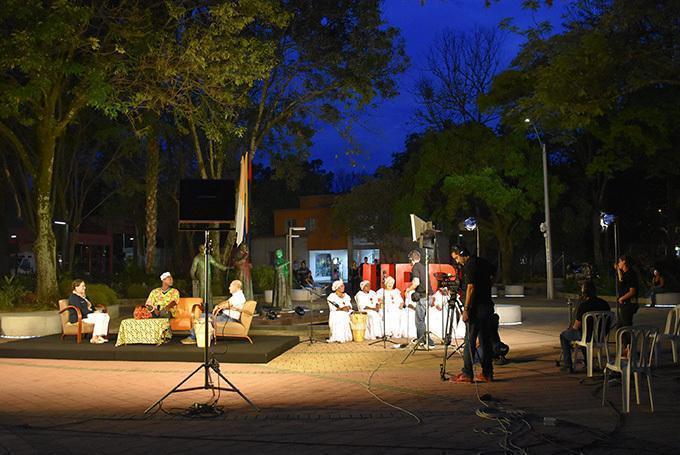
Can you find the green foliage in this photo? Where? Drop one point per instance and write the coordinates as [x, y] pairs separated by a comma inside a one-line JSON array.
[[101, 294], [10, 293], [263, 278], [137, 291]]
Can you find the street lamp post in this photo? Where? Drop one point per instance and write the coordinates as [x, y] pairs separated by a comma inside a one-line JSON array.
[[545, 227], [291, 236]]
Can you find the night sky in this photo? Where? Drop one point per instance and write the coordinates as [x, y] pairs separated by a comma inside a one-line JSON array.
[[381, 132]]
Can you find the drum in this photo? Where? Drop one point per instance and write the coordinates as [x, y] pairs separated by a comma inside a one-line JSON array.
[[358, 323]]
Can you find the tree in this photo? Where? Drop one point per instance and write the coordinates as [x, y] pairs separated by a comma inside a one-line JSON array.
[[333, 58], [58, 58], [460, 69], [470, 169], [51, 68]]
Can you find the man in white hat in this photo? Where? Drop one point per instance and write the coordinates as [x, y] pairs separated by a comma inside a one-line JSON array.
[[163, 301]]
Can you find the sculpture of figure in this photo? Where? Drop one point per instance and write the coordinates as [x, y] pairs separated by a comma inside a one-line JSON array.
[[243, 268], [282, 286], [197, 272]]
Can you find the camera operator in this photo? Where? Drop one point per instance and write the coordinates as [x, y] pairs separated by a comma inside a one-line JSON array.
[[478, 313], [589, 301], [417, 287]]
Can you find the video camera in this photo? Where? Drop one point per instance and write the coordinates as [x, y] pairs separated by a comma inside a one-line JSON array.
[[448, 281]]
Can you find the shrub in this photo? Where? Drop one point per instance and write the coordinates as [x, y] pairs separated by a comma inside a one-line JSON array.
[[263, 278], [101, 294], [10, 292], [137, 291]]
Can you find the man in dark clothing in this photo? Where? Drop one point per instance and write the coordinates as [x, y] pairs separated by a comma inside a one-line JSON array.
[[418, 278], [627, 291], [478, 313], [589, 302]]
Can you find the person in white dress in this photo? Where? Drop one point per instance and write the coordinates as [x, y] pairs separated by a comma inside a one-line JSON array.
[[437, 312], [392, 303], [340, 306], [408, 318], [367, 301]]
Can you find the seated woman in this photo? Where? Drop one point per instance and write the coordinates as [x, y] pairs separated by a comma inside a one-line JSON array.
[[408, 317], [391, 302], [367, 301], [90, 313], [340, 307], [437, 312]]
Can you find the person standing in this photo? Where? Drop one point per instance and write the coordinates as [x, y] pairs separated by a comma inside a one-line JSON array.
[[627, 292], [353, 278], [658, 286], [478, 313], [418, 297]]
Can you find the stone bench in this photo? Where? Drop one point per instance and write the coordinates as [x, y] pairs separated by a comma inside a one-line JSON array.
[[514, 290], [668, 298], [508, 314], [37, 323]]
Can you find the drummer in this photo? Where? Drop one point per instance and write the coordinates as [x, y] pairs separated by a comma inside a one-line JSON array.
[[367, 301], [340, 306]]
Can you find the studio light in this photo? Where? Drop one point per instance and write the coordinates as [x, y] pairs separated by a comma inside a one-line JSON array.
[[606, 220], [470, 223]]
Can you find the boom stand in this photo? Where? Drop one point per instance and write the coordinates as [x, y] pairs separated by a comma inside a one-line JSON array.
[[209, 361], [425, 337], [384, 338]]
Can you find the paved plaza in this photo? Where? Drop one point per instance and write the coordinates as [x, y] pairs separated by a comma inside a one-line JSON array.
[[349, 398]]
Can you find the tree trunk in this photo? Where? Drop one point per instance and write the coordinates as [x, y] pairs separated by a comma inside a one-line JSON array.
[[506, 249], [152, 172], [44, 247]]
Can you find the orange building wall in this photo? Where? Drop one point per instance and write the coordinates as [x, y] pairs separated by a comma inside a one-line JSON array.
[[326, 235]]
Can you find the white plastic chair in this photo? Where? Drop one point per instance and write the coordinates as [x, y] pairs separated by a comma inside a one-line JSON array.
[[601, 322], [671, 333], [642, 341]]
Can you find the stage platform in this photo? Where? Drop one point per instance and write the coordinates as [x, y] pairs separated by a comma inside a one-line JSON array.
[[263, 349]]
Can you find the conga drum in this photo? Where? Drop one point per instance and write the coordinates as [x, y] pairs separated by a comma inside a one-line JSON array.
[[358, 323]]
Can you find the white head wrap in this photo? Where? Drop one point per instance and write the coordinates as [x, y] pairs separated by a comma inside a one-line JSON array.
[[389, 282], [336, 285], [363, 283], [164, 275]]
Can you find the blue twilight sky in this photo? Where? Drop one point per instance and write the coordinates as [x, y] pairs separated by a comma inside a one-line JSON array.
[[380, 132]]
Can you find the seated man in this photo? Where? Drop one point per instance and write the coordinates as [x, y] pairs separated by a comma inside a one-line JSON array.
[[229, 310], [162, 301], [589, 302]]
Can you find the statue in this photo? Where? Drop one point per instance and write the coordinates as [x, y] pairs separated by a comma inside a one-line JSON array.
[[282, 285], [243, 268], [197, 272]]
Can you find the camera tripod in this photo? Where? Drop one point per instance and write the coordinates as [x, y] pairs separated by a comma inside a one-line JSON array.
[[454, 311]]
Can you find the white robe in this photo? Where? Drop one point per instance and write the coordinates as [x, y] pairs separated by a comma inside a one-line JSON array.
[[368, 302], [437, 314], [338, 320], [391, 303], [408, 319]]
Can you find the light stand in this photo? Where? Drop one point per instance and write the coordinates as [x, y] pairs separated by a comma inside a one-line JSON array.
[[209, 361], [607, 220], [292, 236]]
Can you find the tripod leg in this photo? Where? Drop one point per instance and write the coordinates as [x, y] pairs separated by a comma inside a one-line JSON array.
[[234, 388], [173, 390]]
